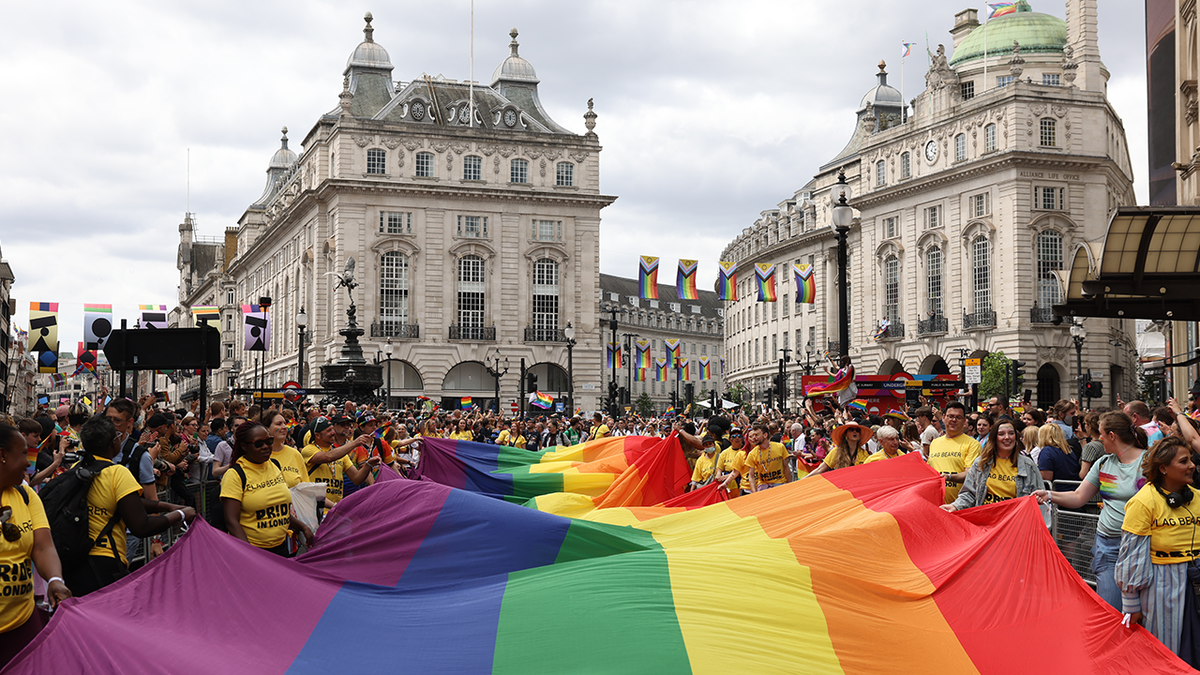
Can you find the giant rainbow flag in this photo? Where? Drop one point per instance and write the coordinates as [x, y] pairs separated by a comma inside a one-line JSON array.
[[853, 571]]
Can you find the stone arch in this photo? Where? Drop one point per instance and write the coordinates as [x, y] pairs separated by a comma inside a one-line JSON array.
[[1049, 385], [890, 367], [934, 365], [552, 379]]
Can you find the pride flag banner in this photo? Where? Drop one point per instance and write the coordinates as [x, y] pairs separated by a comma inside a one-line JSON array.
[[1001, 9], [97, 325], [765, 275], [43, 326], [648, 277], [806, 286], [840, 383], [683, 370], [643, 354], [660, 370], [614, 353], [685, 280], [466, 402], [727, 281], [541, 400], [639, 374], [705, 368], [672, 347]]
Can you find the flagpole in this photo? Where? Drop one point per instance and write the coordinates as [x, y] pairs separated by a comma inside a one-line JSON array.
[[985, 54]]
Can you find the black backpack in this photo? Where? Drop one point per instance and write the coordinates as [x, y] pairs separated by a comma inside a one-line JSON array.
[[217, 517], [65, 501]]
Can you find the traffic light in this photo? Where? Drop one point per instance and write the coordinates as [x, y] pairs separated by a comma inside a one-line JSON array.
[[1018, 375], [690, 392], [530, 382], [1094, 389], [624, 396]]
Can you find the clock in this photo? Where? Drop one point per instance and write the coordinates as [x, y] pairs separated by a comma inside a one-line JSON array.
[[417, 111], [931, 151], [464, 115], [510, 118]]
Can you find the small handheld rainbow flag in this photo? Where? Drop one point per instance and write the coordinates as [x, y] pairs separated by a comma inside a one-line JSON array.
[[670, 412], [1001, 8], [685, 280], [841, 383], [806, 286], [765, 274], [542, 400], [648, 277], [660, 370], [672, 352], [858, 404], [465, 402], [727, 281]]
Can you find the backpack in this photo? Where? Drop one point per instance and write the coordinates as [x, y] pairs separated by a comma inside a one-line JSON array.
[[217, 518], [65, 501]]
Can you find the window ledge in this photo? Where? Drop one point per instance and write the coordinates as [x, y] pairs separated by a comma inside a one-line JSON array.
[[473, 181], [566, 187], [377, 175], [525, 184], [431, 179]]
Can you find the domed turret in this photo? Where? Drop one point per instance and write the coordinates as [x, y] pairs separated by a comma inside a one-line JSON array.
[[283, 158], [369, 54], [514, 68], [1037, 33], [883, 95]]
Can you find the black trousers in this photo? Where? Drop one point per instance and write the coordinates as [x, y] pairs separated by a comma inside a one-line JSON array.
[[96, 573], [179, 484]]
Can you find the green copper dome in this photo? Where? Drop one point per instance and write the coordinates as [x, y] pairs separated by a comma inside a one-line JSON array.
[[1037, 33]]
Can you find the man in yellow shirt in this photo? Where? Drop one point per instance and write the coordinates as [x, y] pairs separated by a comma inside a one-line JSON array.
[[730, 463], [949, 454], [705, 464], [329, 465], [766, 463], [599, 428]]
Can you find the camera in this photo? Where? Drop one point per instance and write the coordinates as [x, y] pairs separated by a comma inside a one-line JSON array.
[[70, 458], [72, 443]]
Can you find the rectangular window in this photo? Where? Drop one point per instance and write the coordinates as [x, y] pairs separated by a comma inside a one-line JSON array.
[[547, 230], [518, 171], [785, 304], [981, 204], [1050, 79], [545, 297], [1003, 81], [470, 292], [812, 336], [395, 222], [1048, 135], [989, 138], [425, 165], [905, 165], [880, 173], [653, 304], [565, 174], [1050, 198], [473, 226], [393, 292], [674, 306], [983, 274], [472, 167], [376, 161], [960, 148], [229, 351], [933, 262], [774, 311], [933, 217], [229, 297], [889, 227], [695, 309], [968, 90]]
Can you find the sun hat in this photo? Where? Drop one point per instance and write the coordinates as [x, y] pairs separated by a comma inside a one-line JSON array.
[[865, 433]]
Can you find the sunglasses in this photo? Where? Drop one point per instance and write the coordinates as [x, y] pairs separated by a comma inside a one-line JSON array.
[[735, 435], [10, 530], [262, 442]]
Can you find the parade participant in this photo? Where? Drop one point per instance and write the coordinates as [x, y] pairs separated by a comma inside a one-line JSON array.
[[552, 436], [512, 436], [925, 426], [1001, 472], [599, 429], [951, 454], [889, 445], [1032, 417], [1056, 460], [574, 432], [1139, 412], [849, 448], [462, 431], [377, 446], [329, 465], [1116, 477], [26, 543], [911, 437], [730, 461], [766, 462], [983, 429], [255, 496], [1156, 566], [291, 462], [706, 463], [1093, 450], [223, 455], [114, 503]]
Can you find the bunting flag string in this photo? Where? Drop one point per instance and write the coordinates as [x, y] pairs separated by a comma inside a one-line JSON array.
[[648, 277], [765, 275], [660, 370], [685, 280], [727, 281], [806, 285], [672, 352]]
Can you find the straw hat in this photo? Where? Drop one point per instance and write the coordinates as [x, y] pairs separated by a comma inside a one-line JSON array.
[[865, 433]]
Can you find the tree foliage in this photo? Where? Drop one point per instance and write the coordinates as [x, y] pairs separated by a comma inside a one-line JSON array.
[[643, 405], [995, 366]]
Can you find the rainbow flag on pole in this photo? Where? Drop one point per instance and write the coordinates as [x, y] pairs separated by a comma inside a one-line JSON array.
[[684, 370], [541, 400], [705, 368], [806, 286], [685, 281], [1001, 8], [466, 402], [639, 374], [907, 49], [765, 275], [727, 281], [643, 354], [648, 277], [614, 354], [672, 352], [660, 370]]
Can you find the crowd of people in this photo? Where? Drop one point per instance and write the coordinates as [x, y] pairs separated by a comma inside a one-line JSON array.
[[144, 464]]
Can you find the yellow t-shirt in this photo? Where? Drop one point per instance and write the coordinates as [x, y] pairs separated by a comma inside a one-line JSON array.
[[330, 473], [732, 460], [1172, 532], [112, 484], [769, 465], [266, 501], [16, 605], [704, 467], [1001, 482], [599, 432], [295, 470], [880, 456], [949, 455], [861, 457], [463, 435], [507, 439]]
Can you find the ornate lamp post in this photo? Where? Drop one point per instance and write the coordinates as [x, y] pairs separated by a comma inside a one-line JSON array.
[[387, 350], [1078, 335], [809, 351], [302, 324], [492, 365], [569, 333], [842, 217]]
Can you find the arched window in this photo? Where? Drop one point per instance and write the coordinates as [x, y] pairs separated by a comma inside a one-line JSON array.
[[545, 300], [472, 167], [1049, 260], [960, 147], [518, 171], [1049, 132], [933, 281], [880, 173], [905, 165], [393, 293], [565, 174], [981, 264], [891, 288], [425, 164], [377, 161], [989, 138], [470, 293]]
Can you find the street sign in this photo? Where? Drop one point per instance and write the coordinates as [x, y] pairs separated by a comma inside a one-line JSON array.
[[588, 387], [974, 371]]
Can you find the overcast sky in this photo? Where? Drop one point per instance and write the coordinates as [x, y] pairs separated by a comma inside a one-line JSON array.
[[709, 113]]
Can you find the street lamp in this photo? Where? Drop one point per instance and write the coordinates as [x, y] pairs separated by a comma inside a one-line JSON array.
[[1079, 334], [809, 351], [569, 334], [612, 385], [492, 365], [842, 217], [301, 323], [387, 350]]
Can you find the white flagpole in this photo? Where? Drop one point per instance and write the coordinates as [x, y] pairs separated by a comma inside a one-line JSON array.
[[985, 54], [903, 101], [471, 87]]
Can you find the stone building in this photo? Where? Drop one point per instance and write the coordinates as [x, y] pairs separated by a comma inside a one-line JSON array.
[[965, 211], [697, 324], [473, 219]]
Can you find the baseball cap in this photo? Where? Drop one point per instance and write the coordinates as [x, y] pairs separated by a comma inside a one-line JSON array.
[[321, 424], [342, 419]]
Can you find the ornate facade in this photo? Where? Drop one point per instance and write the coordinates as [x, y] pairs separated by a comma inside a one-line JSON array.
[[966, 210]]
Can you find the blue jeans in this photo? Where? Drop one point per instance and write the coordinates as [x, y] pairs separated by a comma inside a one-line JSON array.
[[1104, 565]]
